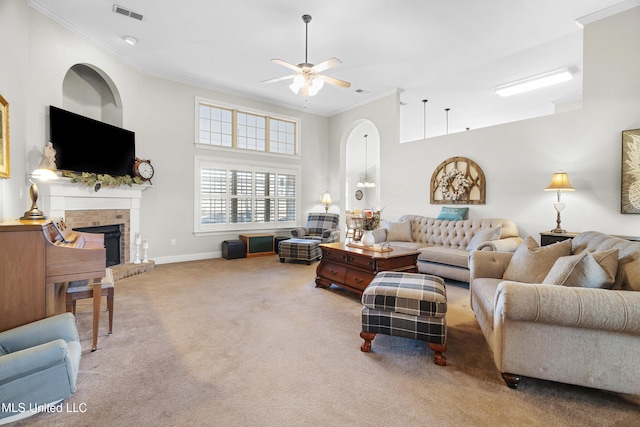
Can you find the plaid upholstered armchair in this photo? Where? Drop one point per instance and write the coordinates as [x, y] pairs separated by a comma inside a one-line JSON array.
[[323, 227]]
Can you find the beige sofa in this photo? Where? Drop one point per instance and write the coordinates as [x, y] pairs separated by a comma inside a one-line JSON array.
[[567, 333], [444, 245]]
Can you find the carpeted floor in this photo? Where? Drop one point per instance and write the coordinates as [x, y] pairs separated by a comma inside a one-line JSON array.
[[253, 342]]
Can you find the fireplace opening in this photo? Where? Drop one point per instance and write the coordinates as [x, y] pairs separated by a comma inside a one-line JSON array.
[[112, 240]]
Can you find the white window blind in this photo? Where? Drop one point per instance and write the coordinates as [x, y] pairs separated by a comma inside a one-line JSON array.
[[244, 197]]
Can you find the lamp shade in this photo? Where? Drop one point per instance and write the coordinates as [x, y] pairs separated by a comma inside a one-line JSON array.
[[326, 199], [298, 83], [560, 182], [43, 174]]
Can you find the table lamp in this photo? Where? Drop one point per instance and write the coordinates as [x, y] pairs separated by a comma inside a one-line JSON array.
[[34, 213], [559, 182], [326, 201]]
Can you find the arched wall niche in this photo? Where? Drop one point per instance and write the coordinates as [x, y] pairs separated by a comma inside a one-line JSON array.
[[89, 91], [355, 169]]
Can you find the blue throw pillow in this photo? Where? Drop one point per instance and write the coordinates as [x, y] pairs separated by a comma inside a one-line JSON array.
[[452, 214]]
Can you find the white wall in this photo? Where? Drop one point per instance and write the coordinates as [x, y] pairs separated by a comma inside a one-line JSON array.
[[14, 30], [519, 158], [161, 113]]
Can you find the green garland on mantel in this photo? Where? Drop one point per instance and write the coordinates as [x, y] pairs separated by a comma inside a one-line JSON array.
[[98, 180]]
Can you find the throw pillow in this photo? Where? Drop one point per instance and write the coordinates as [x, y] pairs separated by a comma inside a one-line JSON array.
[[400, 231], [530, 263], [586, 269], [452, 214], [483, 235]]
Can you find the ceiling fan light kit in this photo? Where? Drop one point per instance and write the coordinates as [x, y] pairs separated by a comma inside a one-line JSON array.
[[310, 86], [307, 79]]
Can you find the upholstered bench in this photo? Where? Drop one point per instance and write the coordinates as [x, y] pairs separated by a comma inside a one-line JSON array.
[[409, 305], [300, 249]]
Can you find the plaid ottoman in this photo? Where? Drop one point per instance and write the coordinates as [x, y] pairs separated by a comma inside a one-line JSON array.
[[300, 249], [409, 305]]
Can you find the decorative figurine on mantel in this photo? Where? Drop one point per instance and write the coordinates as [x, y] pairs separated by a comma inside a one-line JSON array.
[[48, 158]]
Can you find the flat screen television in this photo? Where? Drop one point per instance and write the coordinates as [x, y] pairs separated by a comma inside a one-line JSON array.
[[87, 145]]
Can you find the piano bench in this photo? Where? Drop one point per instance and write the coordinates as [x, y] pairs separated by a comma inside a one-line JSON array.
[[75, 293]]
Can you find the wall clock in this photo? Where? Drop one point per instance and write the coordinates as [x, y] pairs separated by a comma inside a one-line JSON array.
[[358, 194]]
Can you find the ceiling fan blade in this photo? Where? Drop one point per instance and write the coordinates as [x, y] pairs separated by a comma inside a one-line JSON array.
[[286, 64], [333, 81], [329, 63], [279, 79]]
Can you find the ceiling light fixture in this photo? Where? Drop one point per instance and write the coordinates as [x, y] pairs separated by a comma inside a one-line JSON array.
[[307, 79], [424, 111], [535, 82], [130, 40], [446, 112], [366, 183], [312, 84]]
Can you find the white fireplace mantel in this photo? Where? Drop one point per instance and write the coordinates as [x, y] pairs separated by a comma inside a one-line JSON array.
[[58, 196]]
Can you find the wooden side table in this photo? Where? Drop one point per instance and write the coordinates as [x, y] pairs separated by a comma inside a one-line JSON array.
[[547, 237], [258, 244]]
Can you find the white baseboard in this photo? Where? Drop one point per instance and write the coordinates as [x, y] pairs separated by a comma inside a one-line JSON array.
[[187, 257]]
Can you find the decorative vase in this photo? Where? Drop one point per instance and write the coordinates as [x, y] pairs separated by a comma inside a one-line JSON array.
[[367, 238]]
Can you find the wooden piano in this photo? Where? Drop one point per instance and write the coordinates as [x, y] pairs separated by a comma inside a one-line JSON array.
[[37, 260]]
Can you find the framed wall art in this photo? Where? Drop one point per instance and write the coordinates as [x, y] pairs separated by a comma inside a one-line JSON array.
[[4, 139], [457, 180], [630, 188]]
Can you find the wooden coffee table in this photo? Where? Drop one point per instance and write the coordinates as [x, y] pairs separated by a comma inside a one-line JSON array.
[[354, 268]]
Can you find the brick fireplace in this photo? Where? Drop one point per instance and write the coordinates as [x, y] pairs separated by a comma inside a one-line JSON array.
[[98, 218], [81, 206]]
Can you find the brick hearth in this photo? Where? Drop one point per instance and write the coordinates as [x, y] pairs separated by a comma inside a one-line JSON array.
[[122, 271]]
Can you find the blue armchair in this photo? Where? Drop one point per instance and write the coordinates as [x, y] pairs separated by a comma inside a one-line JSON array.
[[39, 364], [323, 227]]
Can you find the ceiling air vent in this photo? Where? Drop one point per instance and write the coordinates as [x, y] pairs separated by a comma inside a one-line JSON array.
[[126, 12]]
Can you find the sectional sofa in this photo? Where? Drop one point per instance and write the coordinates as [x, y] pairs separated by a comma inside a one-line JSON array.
[[444, 245]]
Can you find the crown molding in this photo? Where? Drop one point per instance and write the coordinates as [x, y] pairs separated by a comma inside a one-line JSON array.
[[605, 13]]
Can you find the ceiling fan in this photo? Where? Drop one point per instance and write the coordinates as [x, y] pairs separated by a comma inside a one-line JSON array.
[[307, 78]]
